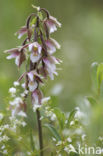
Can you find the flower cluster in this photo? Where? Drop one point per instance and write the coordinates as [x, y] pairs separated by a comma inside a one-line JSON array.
[[69, 129], [37, 51]]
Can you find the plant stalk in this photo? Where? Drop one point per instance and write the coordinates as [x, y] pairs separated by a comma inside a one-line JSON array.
[[40, 132]]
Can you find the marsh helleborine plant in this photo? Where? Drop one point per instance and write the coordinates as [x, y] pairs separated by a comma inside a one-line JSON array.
[[37, 51]]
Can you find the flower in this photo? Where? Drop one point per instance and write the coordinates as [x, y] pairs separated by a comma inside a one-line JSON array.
[[16, 101], [37, 97], [51, 115], [3, 146], [50, 66], [32, 85], [79, 114], [18, 54], [35, 107], [22, 114], [16, 106], [59, 143], [33, 80], [69, 139], [51, 24], [23, 123], [26, 92], [12, 91], [5, 152], [45, 100], [52, 45], [23, 85], [16, 83], [72, 123], [53, 139], [23, 31], [35, 48]]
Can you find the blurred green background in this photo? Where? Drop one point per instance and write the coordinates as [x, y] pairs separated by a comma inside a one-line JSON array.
[[81, 38]]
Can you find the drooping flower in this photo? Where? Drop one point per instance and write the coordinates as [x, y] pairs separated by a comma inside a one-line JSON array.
[[12, 90], [35, 49], [51, 24], [34, 78], [24, 31], [18, 54], [37, 97], [52, 45], [17, 106], [50, 66]]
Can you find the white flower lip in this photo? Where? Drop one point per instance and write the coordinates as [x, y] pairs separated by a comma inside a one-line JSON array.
[[35, 49], [32, 85], [34, 58]]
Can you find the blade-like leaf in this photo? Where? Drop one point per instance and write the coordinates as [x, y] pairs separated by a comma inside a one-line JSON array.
[[60, 116], [71, 116], [91, 100], [99, 75], [53, 131]]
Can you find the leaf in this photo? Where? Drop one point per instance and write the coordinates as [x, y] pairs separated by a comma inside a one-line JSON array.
[[91, 100], [60, 116], [53, 131], [94, 67], [54, 102], [71, 116], [99, 75]]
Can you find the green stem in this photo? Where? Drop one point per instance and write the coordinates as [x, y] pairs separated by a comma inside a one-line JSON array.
[[40, 132], [32, 141]]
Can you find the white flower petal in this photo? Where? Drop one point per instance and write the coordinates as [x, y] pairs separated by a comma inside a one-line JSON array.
[[34, 58], [32, 86], [22, 114], [16, 83], [17, 60], [46, 99]]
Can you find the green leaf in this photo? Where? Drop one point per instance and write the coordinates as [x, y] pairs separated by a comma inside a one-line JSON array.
[[71, 116], [99, 75], [91, 100], [60, 116], [53, 131], [54, 102], [94, 67]]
